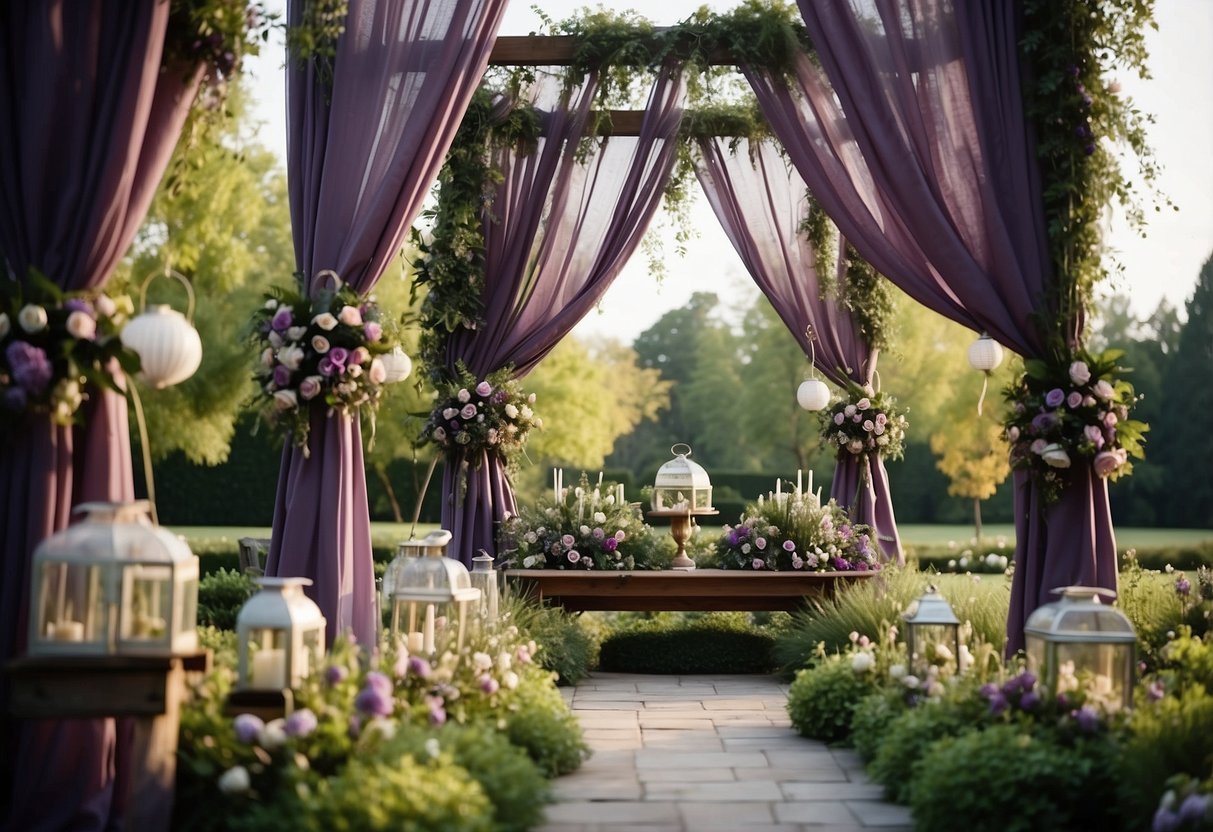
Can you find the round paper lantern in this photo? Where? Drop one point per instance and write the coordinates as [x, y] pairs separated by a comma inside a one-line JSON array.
[[813, 394], [398, 365], [985, 354], [168, 346]]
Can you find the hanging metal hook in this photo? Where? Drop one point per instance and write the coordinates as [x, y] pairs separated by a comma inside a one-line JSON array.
[[169, 272]]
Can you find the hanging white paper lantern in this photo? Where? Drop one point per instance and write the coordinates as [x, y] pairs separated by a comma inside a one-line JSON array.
[[985, 354], [813, 394], [168, 346], [397, 364]]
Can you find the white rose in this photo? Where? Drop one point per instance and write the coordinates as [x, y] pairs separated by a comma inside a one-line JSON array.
[[511, 411], [273, 735], [285, 400], [526, 412], [296, 333], [105, 306], [290, 357], [5, 325], [1056, 456], [320, 344], [862, 662], [325, 321], [275, 340], [509, 679], [271, 304], [529, 561], [235, 780], [32, 318], [897, 671], [599, 517], [910, 681], [353, 371]]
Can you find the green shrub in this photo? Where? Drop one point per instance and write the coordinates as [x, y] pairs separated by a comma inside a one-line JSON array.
[[516, 789], [822, 699], [401, 793], [669, 643], [539, 722], [566, 647], [220, 597], [1005, 779], [872, 718]]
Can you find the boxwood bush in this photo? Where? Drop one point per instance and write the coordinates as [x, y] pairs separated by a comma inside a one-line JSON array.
[[672, 643], [823, 698]]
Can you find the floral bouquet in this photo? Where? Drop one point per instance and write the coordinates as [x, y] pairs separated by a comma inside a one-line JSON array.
[[53, 343], [324, 349], [1063, 413], [865, 422], [584, 528], [789, 532], [474, 415]]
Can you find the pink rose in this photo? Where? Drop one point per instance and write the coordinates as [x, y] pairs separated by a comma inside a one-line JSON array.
[[1093, 435], [1074, 400], [863, 404], [1038, 446], [757, 563], [469, 410], [868, 425], [1012, 433], [350, 316], [1080, 373], [1106, 462], [1103, 390], [309, 388], [378, 373], [838, 418], [360, 355], [484, 389], [1109, 419]]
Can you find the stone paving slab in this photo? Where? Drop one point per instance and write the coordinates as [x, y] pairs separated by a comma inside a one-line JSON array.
[[708, 754]]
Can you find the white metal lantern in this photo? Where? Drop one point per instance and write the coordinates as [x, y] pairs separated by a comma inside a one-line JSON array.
[[931, 625], [1081, 642], [114, 583], [429, 585], [682, 485], [280, 636], [484, 578], [985, 354], [397, 364], [813, 394], [169, 348]]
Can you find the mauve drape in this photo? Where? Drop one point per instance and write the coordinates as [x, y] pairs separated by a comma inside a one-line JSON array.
[[88, 121], [761, 203], [558, 230], [361, 157], [926, 163]]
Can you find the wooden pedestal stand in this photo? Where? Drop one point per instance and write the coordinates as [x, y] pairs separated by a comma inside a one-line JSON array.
[[680, 530], [147, 688]]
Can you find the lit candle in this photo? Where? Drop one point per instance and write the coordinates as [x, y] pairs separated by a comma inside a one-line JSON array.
[[778, 487], [65, 630], [798, 483], [600, 479], [269, 669], [555, 487], [416, 642], [810, 481], [428, 630]]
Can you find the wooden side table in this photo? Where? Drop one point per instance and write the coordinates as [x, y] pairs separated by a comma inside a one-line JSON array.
[[147, 688]]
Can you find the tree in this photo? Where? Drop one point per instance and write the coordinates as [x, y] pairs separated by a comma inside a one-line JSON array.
[[973, 455]]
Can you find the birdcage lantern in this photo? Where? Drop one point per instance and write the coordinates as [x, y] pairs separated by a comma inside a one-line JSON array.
[[113, 584], [1079, 642], [932, 631], [280, 636], [431, 591], [682, 485]]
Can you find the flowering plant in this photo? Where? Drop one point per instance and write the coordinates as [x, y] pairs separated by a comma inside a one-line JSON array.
[[796, 532], [1072, 410], [323, 349], [865, 422], [585, 528], [474, 415], [53, 343]]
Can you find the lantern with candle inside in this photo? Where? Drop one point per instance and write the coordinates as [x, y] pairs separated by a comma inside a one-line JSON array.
[[431, 588], [1081, 642], [932, 632], [681, 491], [114, 583], [280, 636], [484, 578]]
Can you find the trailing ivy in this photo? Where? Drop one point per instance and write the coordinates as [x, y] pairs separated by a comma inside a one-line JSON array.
[[1072, 48]]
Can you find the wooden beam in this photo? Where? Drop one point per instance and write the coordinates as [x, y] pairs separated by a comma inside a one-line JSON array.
[[558, 50]]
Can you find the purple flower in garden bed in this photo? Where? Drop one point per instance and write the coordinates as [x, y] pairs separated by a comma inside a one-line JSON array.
[[336, 674], [374, 702], [1087, 719], [420, 668], [841, 565], [248, 727], [30, 367], [301, 723], [1182, 586]]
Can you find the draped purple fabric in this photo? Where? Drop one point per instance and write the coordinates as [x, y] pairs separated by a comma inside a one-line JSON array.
[[760, 201], [560, 227], [361, 158], [918, 147], [88, 122]]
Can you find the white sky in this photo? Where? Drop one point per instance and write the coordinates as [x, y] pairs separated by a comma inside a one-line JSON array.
[[1163, 264]]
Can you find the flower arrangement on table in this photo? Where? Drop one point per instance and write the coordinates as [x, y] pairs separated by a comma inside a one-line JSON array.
[[796, 532], [319, 350], [1070, 411], [582, 528], [53, 343], [473, 415], [865, 422]]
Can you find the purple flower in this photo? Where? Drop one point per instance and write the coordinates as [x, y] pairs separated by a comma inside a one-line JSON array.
[[1165, 821], [282, 376], [484, 389], [1055, 397], [1193, 809], [327, 367], [372, 331], [248, 727], [610, 544], [437, 712], [339, 356], [841, 565], [468, 412], [1087, 719], [1074, 400], [336, 674], [419, 667], [489, 685], [282, 319], [79, 305], [988, 690], [379, 682], [30, 367], [374, 702], [998, 704], [789, 546], [1155, 691], [1041, 422], [1029, 701], [1182, 586], [300, 723], [757, 563]]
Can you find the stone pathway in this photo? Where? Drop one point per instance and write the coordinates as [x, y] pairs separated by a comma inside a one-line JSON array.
[[708, 754]]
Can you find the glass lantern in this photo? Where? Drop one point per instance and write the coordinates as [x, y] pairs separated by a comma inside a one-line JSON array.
[[428, 585], [682, 485], [113, 584], [484, 578], [1081, 642], [280, 636], [931, 625]]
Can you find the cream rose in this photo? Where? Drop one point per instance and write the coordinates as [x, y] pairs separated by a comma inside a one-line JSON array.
[[285, 400], [325, 321], [32, 318]]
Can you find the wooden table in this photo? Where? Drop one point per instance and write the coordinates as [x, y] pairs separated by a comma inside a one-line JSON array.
[[147, 688], [701, 589]]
